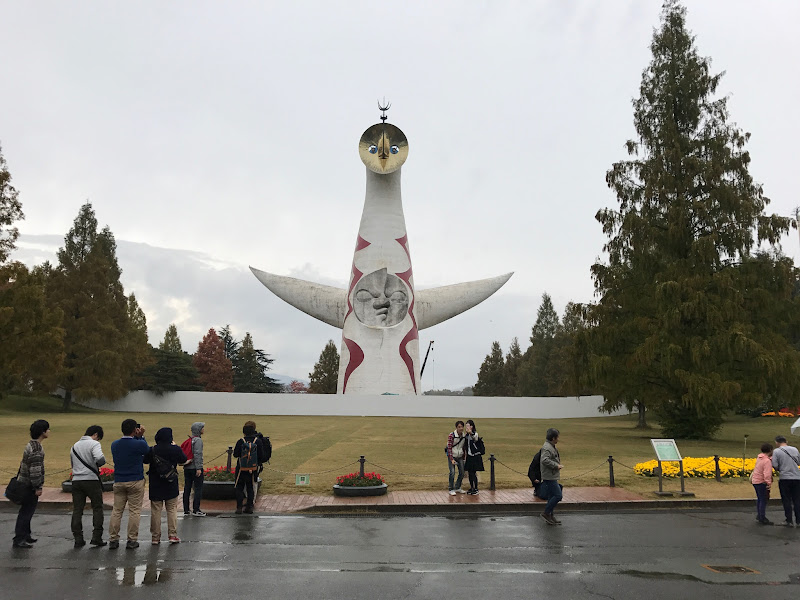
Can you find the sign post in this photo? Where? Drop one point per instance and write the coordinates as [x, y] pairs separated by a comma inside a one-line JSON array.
[[302, 479], [667, 451]]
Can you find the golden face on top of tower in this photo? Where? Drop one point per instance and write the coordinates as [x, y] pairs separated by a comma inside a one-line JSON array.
[[383, 148]]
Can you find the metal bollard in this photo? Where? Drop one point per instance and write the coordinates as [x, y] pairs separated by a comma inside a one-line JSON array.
[[491, 470], [230, 458], [611, 471], [362, 460], [717, 474]]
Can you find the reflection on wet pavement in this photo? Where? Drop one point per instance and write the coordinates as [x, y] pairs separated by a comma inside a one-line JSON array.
[[140, 575]]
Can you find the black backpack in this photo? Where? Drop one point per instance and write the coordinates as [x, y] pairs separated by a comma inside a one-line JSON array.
[[267, 446], [165, 469], [535, 470]]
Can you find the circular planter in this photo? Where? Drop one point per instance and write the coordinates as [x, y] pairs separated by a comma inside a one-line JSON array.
[[223, 490], [66, 486], [352, 491]]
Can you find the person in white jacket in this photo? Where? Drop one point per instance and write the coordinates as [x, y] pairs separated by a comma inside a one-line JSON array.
[[87, 457]]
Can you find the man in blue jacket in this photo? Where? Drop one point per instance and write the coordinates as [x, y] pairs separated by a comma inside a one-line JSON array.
[[129, 452]]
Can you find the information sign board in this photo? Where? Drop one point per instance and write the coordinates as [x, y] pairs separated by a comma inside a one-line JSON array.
[[302, 479], [666, 450]]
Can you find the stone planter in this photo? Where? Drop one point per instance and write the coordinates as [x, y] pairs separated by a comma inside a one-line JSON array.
[[352, 491], [66, 486], [223, 490]]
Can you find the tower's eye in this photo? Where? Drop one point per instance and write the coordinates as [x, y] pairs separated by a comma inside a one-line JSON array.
[[373, 149], [394, 149]]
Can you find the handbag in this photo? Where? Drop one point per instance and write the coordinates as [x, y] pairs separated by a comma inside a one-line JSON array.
[[16, 491]]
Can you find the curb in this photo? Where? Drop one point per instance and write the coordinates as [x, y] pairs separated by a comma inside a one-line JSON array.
[[533, 508]]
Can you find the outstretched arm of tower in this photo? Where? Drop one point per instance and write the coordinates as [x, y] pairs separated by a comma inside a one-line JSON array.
[[439, 304], [323, 302]]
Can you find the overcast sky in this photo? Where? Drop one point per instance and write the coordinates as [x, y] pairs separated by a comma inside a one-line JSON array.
[[210, 136]]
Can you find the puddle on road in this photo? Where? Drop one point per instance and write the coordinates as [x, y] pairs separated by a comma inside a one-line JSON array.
[[139, 575]]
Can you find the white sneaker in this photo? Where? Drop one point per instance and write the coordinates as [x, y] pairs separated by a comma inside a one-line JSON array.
[[460, 491], [452, 492]]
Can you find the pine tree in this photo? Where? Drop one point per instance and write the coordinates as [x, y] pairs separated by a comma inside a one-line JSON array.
[[511, 369], [250, 366], [31, 337], [171, 342], [325, 376], [169, 372], [10, 211], [214, 368], [229, 342], [535, 376], [490, 375], [103, 346], [680, 326]]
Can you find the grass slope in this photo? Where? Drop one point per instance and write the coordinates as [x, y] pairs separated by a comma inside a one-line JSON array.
[[401, 449]]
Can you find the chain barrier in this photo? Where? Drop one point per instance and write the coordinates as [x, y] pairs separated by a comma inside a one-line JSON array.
[[602, 464], [407, 474], [738, 467], [509, 468], [304, 473]]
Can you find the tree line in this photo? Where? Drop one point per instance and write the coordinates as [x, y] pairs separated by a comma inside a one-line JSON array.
[[70, 325], [698, 309]]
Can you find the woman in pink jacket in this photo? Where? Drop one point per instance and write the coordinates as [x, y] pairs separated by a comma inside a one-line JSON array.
[[761, 479]]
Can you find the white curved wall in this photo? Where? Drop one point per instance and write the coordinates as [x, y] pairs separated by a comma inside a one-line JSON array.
[[477, 407]]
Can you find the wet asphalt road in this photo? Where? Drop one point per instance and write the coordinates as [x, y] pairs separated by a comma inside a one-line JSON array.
[[592, 555]]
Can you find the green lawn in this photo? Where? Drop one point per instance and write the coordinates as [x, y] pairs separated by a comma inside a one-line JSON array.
[[394, 445]]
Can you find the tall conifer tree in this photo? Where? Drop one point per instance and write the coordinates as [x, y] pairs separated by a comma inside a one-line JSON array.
[[490, 375], [680, 326], [535, 374], [325, 376], [103, 345]]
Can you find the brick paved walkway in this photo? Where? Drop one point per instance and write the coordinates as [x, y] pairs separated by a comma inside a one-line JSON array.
[[404, 500], [410, 500]]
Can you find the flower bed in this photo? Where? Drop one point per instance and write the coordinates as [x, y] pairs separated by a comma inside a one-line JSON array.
[[106, 477], [219, 474], [220, 484], [698, 467], [356, 480], [778, 414], [354, 484]]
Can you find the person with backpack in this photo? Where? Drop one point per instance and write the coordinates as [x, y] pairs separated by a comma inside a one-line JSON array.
[[129, 453], [786, 459], [192, 448], [535, 473], [251, 455], [164, 458], [87, 457], [475, 451], [551, 472], [456, 442]]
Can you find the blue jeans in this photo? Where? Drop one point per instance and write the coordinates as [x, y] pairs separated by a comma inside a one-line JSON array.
[[452, 467], [762, 495], [550, 490]]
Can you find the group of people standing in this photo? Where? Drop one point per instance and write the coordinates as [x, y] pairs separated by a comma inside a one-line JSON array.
[[785, 459], [465, 450], [130, 453]]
